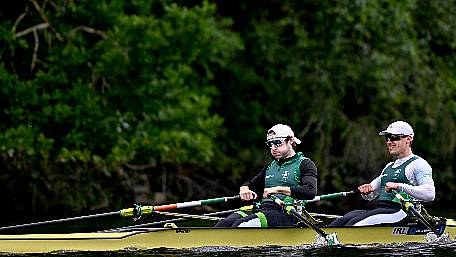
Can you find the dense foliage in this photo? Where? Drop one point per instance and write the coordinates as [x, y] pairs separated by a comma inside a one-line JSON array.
[[109, 102]]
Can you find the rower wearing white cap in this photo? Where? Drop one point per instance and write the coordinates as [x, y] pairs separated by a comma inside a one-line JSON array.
[[289, 176], [409, 174]]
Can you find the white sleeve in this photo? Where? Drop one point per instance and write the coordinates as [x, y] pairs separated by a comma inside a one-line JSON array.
[[376, 184], [419, 173]]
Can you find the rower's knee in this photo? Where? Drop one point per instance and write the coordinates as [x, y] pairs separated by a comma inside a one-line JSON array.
[[228, 221]]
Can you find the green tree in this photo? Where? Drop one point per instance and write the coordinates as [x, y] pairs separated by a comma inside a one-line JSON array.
[[338, 72], [98, 95]]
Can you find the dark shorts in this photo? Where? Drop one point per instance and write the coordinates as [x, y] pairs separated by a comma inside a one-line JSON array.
[[274, 214], [355, 216]]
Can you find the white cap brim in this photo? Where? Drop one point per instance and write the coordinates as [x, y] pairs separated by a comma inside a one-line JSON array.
[[389, 131], [297, 140]]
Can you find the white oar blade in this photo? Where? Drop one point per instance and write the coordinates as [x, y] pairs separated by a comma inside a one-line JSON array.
[[432, 238], [329, 240]]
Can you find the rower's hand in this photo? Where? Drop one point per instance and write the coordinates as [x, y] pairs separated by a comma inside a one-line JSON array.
[[246, 194], [365, 189], [391, 186]]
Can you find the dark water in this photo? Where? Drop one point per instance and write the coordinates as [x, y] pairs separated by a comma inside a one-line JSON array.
[[410, 249]]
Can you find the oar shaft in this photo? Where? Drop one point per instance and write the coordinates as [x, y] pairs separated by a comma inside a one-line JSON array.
[[136, 212], [166, 221], [60, 220], [291, 210], [330, 196], [295, 214], [194, 203], [411, 207], [167, 207], [190, 216]]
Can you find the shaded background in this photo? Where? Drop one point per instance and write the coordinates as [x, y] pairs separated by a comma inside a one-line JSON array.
[[112, 102]]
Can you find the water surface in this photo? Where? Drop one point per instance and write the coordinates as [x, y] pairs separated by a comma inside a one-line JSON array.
[[409, 249]]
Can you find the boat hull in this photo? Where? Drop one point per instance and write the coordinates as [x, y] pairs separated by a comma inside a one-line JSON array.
[[199, 237]]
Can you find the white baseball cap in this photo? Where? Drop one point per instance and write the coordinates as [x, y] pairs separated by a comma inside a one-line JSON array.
[[398, 128], [281, 130]]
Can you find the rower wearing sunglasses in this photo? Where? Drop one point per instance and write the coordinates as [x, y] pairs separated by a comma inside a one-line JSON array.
[[288, 176], [409, 174]]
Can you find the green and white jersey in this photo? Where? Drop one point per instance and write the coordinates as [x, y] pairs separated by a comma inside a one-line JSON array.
[[418, 182], [285, 174]]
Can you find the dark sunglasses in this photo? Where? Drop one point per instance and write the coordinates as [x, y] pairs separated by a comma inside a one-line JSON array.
[[275, 142], [393, 138]]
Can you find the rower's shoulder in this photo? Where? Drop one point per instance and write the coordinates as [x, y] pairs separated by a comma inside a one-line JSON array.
[[307, 161], [421, 163], [308, 166]]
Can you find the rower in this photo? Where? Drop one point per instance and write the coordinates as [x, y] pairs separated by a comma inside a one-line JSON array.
[[409, 174], [288, 176]]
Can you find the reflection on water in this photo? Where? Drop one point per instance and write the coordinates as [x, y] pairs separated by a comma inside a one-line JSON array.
[[409, 249]]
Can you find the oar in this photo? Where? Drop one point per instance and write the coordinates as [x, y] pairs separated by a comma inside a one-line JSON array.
[[155, 223], [189, 216], [135, 212], [330, 196], [61, 220], [410, 207], [324, 197], [138, 211], [331, 239]]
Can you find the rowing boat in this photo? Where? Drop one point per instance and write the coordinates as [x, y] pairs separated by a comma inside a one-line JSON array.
[[190, 237], [143, 236]]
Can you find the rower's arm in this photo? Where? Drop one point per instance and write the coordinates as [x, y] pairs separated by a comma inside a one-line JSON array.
[[256, 184], [308, 188], [425, 192], [419, 172], [375, 184]]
